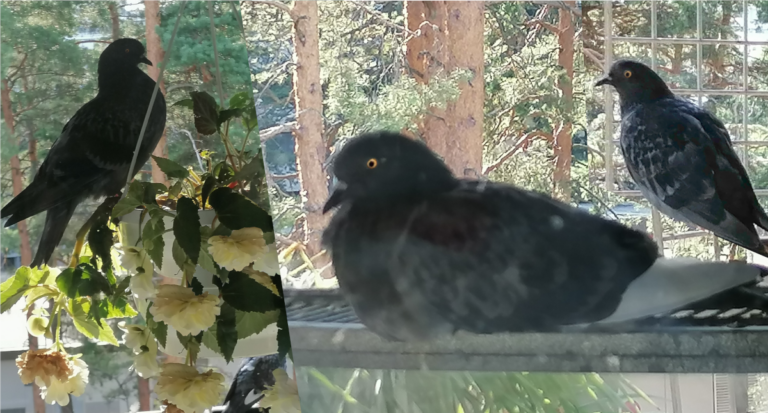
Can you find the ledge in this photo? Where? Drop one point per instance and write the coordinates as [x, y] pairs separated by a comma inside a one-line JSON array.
[[325, 333]]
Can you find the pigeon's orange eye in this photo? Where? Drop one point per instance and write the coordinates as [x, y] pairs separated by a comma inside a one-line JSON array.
[[372, 163], [627, 74]]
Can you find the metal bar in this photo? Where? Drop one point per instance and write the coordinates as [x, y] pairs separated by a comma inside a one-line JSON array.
[[656, 228], [710, 351], [638, 194], [675, 40], [734, 143], [608, 97]]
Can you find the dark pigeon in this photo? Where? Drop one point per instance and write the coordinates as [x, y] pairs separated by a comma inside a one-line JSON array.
[[420, 254], [681, 157], [92, 155], [252, 379]]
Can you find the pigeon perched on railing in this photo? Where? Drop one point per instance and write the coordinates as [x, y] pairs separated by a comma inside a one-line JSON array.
[[92, 155], [252, 379], [420, 254], [681, 157]]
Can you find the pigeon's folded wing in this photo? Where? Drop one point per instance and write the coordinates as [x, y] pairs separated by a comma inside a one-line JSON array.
[[499, 259], [693, 174]]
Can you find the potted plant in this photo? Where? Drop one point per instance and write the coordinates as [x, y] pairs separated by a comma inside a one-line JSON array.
[[204, 230]]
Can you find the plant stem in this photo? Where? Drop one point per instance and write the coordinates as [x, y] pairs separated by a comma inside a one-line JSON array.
[[58, 330], [104, 209]]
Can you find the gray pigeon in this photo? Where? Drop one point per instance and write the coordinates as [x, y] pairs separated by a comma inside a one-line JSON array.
[[420, 254], [92, 155], [681, 157], [255, 374]]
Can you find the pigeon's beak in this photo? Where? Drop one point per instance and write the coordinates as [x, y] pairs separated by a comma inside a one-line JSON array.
[[336, 198], [604, 81], [145, 60]]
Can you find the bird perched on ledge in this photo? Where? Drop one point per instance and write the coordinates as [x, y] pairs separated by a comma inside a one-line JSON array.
[[420, 254], [92, 155], [681, 157]]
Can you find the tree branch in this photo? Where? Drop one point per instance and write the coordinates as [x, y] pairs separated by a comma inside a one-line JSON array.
[[538, 22], [385, 20], [520, 143], [282, 6], [269, 133], [93, 41]]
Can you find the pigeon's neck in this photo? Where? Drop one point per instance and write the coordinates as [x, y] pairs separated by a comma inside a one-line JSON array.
[[630, 100], [113, 77]]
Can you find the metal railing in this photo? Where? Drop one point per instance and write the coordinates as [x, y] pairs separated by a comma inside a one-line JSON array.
[[610, 122]]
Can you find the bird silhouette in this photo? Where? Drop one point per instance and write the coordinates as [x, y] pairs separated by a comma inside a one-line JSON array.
[[92, 155]]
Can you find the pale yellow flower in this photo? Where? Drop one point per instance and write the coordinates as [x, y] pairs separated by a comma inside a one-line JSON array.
[[37, 325], [241, 248], [267, 262], [189, 390], [142, 285], [145, 363], [56, 373], [181, 309], [135, 258], [58, 391], [283, 397], [137, 336]]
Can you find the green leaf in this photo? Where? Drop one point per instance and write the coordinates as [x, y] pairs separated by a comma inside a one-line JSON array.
[[118, 307], [206, 113], [83, 280], [226, 331], [196, 285], [245, 294], [176, 189], [69, 281], [78, 309], [205, 261], [25, 278], [136, 190], [255, 166], [191, 344], [209, 339], [237, 212], [37, 292], [240, 100], [186, 103], [283, 336], [250, 323], [152, 239], [100, 242], [228, 114], [125, 206], [170, 168], [208, 186], [186, 228], [158, 328]]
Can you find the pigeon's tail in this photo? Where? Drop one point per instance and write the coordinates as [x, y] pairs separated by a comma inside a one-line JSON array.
[[33, 200], [674, 283], [56, 222]]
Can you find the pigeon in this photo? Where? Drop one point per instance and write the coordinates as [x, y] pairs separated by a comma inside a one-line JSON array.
[[420, 254], [252, 379], [681, 158], [92, 155]]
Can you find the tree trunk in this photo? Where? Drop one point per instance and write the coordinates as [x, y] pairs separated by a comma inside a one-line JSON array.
[[466, 21], [17, 181], [563, 144], [144, 395], [115, 20], [155, 54], [451, 37], [310, 148]]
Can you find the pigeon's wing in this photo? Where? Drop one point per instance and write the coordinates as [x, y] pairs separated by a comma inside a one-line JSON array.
[[732, 181], [490, 258], [685, 173]]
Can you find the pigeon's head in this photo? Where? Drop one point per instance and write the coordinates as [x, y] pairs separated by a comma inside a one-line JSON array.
[[381, 167], [125, 52], [635, 82]]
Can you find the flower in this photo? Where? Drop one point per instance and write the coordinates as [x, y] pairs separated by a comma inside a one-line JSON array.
[[241, 248], [283, 397], [57, 374], [59, 391], [37, 325], [146, 363], [142, 286], [267, 263], [188, 389], [137, 336], [180, 308], [136, 260]]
